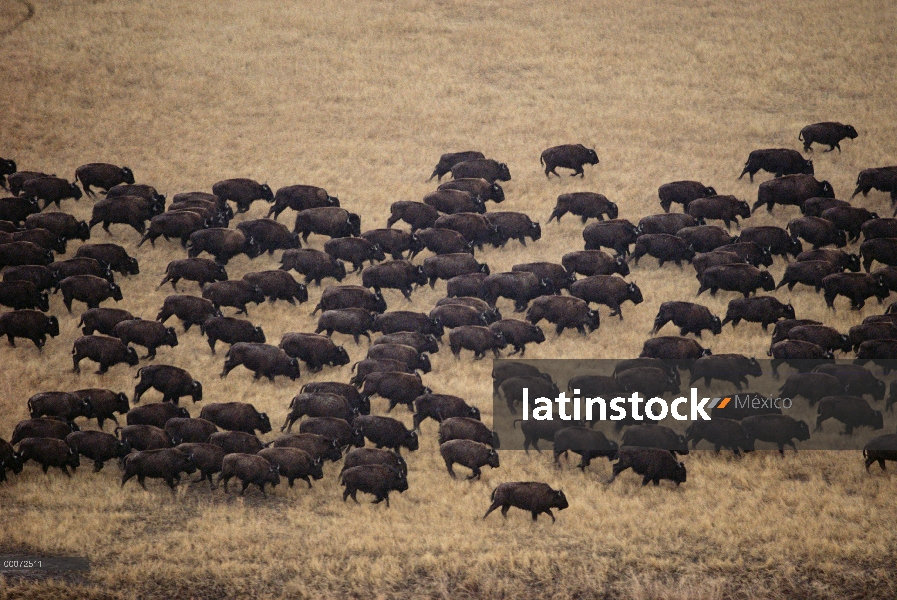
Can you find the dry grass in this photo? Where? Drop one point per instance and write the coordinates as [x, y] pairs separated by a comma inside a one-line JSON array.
[[361, 98]]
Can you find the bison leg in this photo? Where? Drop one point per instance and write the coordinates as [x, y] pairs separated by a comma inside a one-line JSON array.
[[77, 359], [97, 465], [476, 473], [448, 465]]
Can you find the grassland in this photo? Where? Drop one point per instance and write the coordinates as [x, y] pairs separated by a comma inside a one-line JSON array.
[[361, 98]]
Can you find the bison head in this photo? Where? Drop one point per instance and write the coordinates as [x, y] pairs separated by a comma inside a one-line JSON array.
[[612, 210], [766, 281], [86, 408], [8, 167], [72, 459], [411, 442], [559, 500], [356, 438], [127, 175], [491, 315], [292, 372], [293, 240], [483, 268], [75, 191], [492, 459], [424, 363], [264, 421], [115, 291], [881, 291], [332, 201], [339, 270], [121, 405], [634, 294], [503, 173], [795, 248], [171, 337], [380, 305], [52, 326], [258, 336], [266, 193], [132, 267], [807, 167], [196, 392], [801, 431], [478, 205], [43, 302], [340, 357], [131, 357], [680, 475], [354, 223], [840, 238], [473, 412], [826, 190], [716, 326], [497, 193], [593, 321], [788, 311], [742, 209], [376, 253], [621, 266], [183, 413], [592, 157], [535, 231]]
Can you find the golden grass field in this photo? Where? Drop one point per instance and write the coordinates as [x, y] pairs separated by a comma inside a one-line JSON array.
[[361, 98]]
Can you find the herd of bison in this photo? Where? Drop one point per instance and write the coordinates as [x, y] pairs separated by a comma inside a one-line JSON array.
[[161, 440]]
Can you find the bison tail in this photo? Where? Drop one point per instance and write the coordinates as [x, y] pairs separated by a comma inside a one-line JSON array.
[[514, 424], [865, 455], [138, 372], [353, 367], [492, 495], [800, 135], [542, 159]]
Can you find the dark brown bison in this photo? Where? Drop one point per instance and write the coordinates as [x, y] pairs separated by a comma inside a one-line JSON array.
[[222, 244], [818, 231], [419, 341], [48, 452], [594, 262], [466, 285], [318, 404], [45, 427], [812, 386], [673, 348], [126, 210], [261, 359], [140, 189], [616, 234], [519, 333], [879, 449], [883, 179], [857, 380], [483, 168], [23, 295], [350, 296], [724, 208], [155, 414], [89, 289], [350, 321], [883, 250], [849, 219], [416, 214], [173, 382], [278, 285], [80, 266], [519, 286], [705, 238], [736, 278], [664, 247], [294, 464], [97, 446], [777, 240], [299, 198], [236, 416], [779, 161], [689, 317], [107, 351], [777, 429], [7, 167], [682, 192], [749, 252], [587, 443], [814, 207], [59, 404], [840, 259], [269, 235], [112, 255], [103, 176], [610, 290], [316, 445], [477, 338], [52, 190], [378, 480], [868, 331], [39, 237], [230, 331], [653, 464], [149, 334], [314, 264], [249, 469], [470, 454], [531, 496], [476, 187], [397, 387], [13, 254], [827, 133], [331, 221], [42, 277], [810, 272], [394, 242], [333, 428], [791, 190], [476, 228], [442, 241], [568, 156], [454, 201], [440, 407], [656, 436], [200, 270], [732, 368], [102, 320], [236, 293], [856, 286], [189, 309], [374, 456], [396, 274], [143, 437], [466, 428], [406, 320], [18, 179], [314, 350], [801, 355], [559, 277], [105, 403], [17, 210], [585, 205], [386, 432], [410, 357], [237, 441], [722, 433], [759, 309], [206, 457], [564, 312], [447, 266], [354, 250], [450, 159], [29, 324], [191, 431], [243, 192], [512, 226]]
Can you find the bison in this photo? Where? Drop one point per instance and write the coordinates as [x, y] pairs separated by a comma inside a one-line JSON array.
[[682, 192], [470, 454], [112, 255], [314, 350], [173, 382], [29, 324], [759, 309], [243, 192], [827, 133], [189, 309], [299, 198], [568, 156], [378, 480], [261, 359], [200, 270], [791, 190], [107, 351], [103, 176], [249, 469], [585, 205], [535, 497], [779, 161], [450, 159]]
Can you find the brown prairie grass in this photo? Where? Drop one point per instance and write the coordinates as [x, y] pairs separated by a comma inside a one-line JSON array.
[[361, 98]]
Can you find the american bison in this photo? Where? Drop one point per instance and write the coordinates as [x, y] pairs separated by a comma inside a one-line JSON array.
[[585, 205], [689, 317], [568, 156], [314, 350], [200, 270], [759, 309], [828, 133], [261, 359], [535, 497], [29, 324], [779, 161], [243, 192], [378, 480], [107, 351], [450, 159], [249, 469]]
